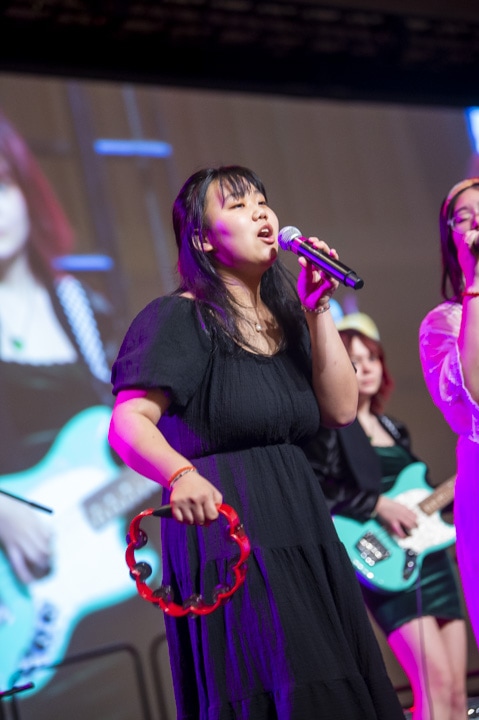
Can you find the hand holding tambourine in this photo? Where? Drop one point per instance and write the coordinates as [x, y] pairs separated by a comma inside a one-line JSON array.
[[195, 604]]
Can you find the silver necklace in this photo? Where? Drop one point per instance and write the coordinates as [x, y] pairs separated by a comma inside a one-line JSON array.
[[254, 323]]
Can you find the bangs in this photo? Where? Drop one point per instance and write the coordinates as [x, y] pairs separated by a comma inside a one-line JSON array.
[[238, 181]]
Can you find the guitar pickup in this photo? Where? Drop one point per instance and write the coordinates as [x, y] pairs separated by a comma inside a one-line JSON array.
[[371, 549]]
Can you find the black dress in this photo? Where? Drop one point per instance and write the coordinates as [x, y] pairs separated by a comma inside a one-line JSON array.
[[295, 641]]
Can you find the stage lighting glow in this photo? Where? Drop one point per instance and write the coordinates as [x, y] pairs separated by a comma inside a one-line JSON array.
[[133, 148], [83, 263], [472, 116]]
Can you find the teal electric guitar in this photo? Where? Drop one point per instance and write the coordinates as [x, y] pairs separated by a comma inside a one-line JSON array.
[[385, 562], [88, 492]]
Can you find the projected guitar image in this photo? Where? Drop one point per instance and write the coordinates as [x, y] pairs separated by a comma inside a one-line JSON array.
[[388, 563], [89, 493]]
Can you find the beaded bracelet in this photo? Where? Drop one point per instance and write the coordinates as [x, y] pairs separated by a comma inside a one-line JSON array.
[[179, 473], [317, 311], [470, 293]]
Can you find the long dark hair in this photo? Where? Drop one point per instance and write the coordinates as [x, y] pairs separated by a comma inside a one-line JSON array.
[[197, 271], [452, 280], [50, 231], [375, 348]]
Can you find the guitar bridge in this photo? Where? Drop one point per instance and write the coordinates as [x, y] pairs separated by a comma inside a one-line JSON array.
[[371, 549]]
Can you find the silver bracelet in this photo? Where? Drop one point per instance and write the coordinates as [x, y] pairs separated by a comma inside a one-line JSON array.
[[317, 311]]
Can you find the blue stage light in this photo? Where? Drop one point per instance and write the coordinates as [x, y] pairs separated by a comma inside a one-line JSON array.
[[133, 148], [83, 263]]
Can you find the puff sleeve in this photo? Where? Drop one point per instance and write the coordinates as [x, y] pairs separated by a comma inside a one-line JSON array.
[[441, 365], [167, 347]]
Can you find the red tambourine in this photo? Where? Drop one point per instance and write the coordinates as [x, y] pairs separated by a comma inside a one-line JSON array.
[[195, 604]]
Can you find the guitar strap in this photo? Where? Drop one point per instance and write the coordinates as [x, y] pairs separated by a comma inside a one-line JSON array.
[[391, 428], [78, 311]]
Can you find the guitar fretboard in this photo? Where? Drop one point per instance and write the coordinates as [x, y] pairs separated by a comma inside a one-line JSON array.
[[118, 497], [438, 499]]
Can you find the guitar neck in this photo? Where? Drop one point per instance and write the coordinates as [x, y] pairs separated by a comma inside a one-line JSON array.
[[439, 498], [117, 497]]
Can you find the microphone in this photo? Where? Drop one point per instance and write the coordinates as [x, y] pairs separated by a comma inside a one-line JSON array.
[[472, 238], [290, 238]]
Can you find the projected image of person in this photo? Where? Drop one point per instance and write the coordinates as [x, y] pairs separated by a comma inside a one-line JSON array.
[[367, 471], [449, 352], [219, 385], [54, 360]]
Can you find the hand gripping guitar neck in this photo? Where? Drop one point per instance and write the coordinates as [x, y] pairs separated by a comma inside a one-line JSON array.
[[195, 604]]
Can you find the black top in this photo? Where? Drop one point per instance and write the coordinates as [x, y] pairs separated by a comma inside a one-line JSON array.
[[39, 399], [348, 467]]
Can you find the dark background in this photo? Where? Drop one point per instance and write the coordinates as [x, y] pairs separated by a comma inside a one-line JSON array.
[[423, 51]]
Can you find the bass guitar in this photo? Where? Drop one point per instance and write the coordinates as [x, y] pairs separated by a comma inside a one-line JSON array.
[[88, 493], [388, 563]]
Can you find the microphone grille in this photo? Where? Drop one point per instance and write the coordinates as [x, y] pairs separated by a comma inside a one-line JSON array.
[[287, 235]]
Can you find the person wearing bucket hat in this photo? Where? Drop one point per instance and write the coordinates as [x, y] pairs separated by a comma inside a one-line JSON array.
[[449, 352], [362, 469], [359, 322]]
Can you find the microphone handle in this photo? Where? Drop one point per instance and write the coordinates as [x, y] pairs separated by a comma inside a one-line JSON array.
[[333, 267]]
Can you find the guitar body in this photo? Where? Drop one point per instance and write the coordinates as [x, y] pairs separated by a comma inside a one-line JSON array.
[[87, 491], [384, 562]]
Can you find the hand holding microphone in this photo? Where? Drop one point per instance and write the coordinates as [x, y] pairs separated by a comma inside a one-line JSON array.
[[290, 238], [472, 239], [468, 257]]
